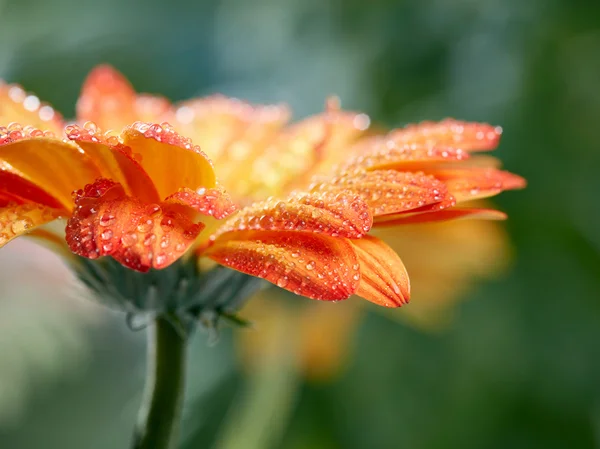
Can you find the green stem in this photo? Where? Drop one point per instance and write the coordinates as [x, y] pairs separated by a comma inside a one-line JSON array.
[[160, 413]]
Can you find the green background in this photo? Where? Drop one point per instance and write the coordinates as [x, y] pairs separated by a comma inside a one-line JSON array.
[[520, 365]]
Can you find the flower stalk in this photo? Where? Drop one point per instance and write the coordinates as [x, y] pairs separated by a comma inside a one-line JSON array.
[[160, 412]]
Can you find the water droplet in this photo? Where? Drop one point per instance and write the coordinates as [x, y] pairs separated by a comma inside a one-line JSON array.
[[146, 226], [282, 281], [129, 240]]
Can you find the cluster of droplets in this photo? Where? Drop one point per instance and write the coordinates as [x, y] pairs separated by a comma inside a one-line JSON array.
[[390, 153], [15, 132], [30, 103], [90, 132], [302, 263], [334, 214], [214, 202], [165, 133], [388, 191], [466, 135], [17, 219], [137, 235]]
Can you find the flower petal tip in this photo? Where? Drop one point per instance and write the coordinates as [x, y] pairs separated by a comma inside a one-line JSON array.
[[384, 280]]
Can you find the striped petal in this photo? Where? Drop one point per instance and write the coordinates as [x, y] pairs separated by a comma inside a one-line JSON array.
[[335, 214], [171, 160], [107, 222], [19, 219], [384, 280], [55, 166], [388, 191], [311, 265]]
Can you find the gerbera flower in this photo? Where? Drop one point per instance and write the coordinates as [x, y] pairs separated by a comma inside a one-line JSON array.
[[144, 199], [143, 196]]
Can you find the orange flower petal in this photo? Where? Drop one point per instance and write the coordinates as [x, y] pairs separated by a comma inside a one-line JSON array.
[[289, 159], [170, 160], [18, 106], [334, 214], [18, 219], [213, 202], [380, 153], [452, 213], [114, 160], [453, 133], [106, 222], [16, 186], [311, 265], [388, 191], [8, 198], [474, 183], [384, 280], [229, 129], [108, 99], [56, 166]]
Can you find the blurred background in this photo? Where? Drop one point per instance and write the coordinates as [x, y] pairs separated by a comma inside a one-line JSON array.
[[515, 363]]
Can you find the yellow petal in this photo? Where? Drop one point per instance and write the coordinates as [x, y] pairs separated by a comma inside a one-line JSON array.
[[19, 219], [384, 280], [171, 161], [114, 160], [56, 166], [16, 105]]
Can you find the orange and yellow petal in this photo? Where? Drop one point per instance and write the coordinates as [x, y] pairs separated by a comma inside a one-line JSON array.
[[335, 214], [472, 183], [467, 136], [388, 191], [56, 166], [16, 188], [452, 213], [16, 105], [305, 148], [311, 265], [380, 153], [108, 99], [171, 160], [214, 202], [19, 219], [107, 222], [114, 160], [384, 280]]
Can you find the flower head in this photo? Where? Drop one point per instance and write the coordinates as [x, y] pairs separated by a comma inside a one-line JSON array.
[[311, 192]]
